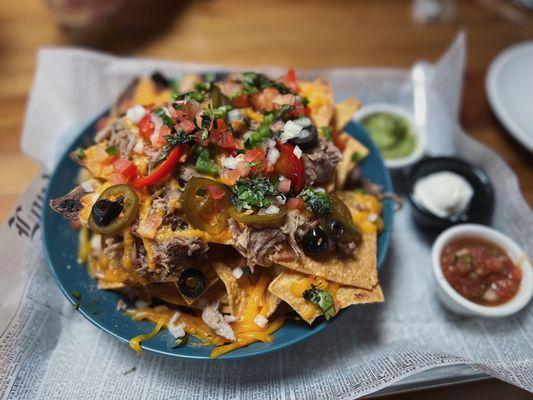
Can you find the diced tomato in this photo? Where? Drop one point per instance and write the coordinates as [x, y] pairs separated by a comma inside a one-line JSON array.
[[241, 101], [297, 111], [148, 227], [222, 137], [295, 203], [255, 154], [185, 125], [264, 100], [290, 81], [158, 138], [290, 166], [284, 185], [307, 111], [126, 169], [216, 192], [338, 141], [146, 126]]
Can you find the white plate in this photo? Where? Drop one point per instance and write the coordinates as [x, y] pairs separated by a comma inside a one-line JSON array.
[[509, 86]]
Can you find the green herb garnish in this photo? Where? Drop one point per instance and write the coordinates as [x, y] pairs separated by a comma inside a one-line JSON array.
[[317, 201], [205, 165], [76, 294], [327, 133], [80, 153], [254, 82], [219, 112], [256, 138], [161, 113], [173, 140], [356, 156], [323, 299], [253, 192], [112, 150]]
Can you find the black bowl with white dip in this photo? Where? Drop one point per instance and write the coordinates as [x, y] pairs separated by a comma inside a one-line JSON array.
[[445, 191]]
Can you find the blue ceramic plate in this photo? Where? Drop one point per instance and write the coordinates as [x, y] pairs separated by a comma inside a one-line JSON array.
[[99, 307]]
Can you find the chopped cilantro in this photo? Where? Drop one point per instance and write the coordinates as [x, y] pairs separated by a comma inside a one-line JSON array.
[[323, 299], [253, 192], [327, 133], [317, 201], [161, 113], [356, 156], [112, 150], [76, 294], [80, 153], [174, 139], [305, 101], [256, 138], [254, 82], [219, 112], [205, 165]]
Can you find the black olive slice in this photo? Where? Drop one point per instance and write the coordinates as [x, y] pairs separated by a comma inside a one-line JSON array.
[[335, 229], [307, 139], [105, 211], [192, 282], [315, 242]]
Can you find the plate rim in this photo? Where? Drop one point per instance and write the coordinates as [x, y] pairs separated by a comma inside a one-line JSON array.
[[495, 101]]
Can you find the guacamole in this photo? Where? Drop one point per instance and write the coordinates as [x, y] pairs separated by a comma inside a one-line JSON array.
[[392, 134]]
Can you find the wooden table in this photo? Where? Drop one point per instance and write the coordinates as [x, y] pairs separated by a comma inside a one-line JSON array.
[[301, 34]]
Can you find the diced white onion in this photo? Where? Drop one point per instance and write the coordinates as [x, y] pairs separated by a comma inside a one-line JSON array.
[[96, 243], [88, 186], [135, 114], [322, 190], [260, 321], [247, 135], [139, 146], [281, 200], [234, 115], [237, 272], [273, 155], [272, 210], [290, 131], [297, 152], [230, 162], [372, 217], [177, 330], [303, 122], [270, 143]]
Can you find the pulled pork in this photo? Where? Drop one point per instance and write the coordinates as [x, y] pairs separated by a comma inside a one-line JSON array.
[[119, 134], [296, 225], [113, 247], [321, 161], [256, 244]]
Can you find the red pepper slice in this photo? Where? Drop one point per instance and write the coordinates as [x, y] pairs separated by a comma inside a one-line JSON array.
[[163, 170], [290, 166]]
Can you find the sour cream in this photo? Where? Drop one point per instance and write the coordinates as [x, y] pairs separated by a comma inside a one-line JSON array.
[[444, 194]]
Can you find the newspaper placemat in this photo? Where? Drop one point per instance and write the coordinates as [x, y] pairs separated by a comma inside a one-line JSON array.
[[48, 350]]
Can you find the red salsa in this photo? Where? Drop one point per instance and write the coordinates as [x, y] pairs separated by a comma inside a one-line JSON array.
[[480, 271]]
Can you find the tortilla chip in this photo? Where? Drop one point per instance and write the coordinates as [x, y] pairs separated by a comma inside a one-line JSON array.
[[345, 111], [345, 295], [359, 271], [140, 91], [273, 302], [321, 101], [348, 160], [236, 294]]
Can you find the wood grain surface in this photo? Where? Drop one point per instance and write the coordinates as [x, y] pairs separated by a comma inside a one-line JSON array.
[[252, 32]]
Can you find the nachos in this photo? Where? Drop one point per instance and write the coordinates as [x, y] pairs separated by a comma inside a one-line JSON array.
[[221, 207]]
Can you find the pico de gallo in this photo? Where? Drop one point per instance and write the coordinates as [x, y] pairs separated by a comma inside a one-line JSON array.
[[480, 271]]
